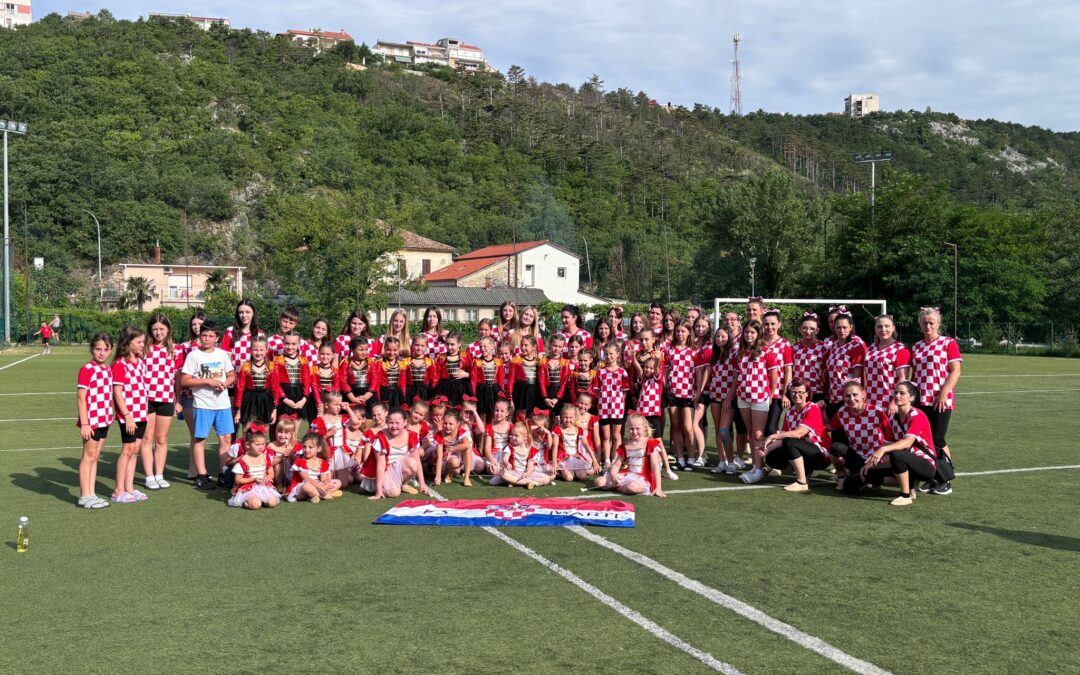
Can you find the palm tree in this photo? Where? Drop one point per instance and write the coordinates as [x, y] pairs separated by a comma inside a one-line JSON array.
[[138, 290]]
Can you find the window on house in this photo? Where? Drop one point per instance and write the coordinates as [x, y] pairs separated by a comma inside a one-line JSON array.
[[472, 315], [179, 286], [425, 266], [561, 272], [451, 315]]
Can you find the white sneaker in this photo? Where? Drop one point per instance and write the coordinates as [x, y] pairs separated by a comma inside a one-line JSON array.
[[291, 499], [162, 483], [773, 473], [731, 468], [671, 475], [700, 461], [754, 475], [152, 483]]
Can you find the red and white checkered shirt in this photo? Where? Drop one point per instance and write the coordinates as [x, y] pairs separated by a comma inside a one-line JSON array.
[[238, 347], [97, 380], [783, 351], [879, 371], [650, 401], [612, 386], [722, 377], [341, 346], [679, 371], [808, 364], [930, 367], [865, 431], [586, 340], [161, 367], [754, 376], [630, 348], [839, 361], [435, 345], [917, 426], [131, 375], [475, 350], [275, 346], [308, 350], [809, 417]]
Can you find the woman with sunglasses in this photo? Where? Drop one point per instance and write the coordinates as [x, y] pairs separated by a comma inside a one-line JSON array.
[[802, 441]]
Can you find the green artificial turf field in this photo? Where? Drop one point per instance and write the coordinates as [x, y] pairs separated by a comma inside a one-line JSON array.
[[984, 580]]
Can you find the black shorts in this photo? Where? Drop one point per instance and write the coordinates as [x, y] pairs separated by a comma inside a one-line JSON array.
[[99, 434], [140, 431], [679, 402], [706, 400], [44, 340], [609, 421], [654, 425], [162, 408]]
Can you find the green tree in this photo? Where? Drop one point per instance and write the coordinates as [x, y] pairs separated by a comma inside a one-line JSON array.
[[137, 290]]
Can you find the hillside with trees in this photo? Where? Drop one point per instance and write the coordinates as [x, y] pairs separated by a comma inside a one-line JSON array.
[[238, 147]]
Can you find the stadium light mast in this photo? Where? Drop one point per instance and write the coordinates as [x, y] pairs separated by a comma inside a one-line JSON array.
[[100, 281], [873, 158], [8, 126]]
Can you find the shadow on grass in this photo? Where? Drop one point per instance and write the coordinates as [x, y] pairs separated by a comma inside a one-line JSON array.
[[64, 485], [1057, 542]]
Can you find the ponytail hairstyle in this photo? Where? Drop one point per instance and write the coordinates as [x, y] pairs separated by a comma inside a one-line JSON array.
[[323, 451], [123, 343]]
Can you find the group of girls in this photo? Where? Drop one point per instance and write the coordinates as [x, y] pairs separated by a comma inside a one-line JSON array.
[[387, 412]]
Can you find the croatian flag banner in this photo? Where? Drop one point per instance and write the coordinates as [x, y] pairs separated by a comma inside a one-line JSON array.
[[510, 512]]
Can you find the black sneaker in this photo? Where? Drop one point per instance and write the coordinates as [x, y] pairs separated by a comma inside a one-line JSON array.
[[928, 486], [942, 489], [225, 480], [203, 482]]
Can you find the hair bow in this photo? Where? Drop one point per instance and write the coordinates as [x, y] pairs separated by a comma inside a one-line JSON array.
[[454, 407], [502, 395], [466, 397], [755, 298], [633, 412], [810, 315], [440, 400], [404, 407], [257, 428], [771, 310], [930, 309], [541, 412], [839, 309]]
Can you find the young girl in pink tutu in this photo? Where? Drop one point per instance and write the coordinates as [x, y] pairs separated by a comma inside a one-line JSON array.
[[253, 485]]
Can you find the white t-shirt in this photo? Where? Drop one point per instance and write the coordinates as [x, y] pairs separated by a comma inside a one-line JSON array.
[[216, 364]]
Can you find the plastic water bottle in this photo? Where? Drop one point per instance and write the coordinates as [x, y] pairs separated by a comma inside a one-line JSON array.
[[23, 540]]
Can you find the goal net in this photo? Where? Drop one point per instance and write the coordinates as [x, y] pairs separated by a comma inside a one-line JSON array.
[[809, 303]]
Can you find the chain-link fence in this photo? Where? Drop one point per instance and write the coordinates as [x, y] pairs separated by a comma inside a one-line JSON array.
[[1052, 338]]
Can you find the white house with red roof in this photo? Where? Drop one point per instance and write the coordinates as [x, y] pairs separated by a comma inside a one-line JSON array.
[[538, 264], [319, 39], [445, 51]]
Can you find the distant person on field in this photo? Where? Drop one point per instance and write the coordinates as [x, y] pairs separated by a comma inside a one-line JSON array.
[[46, 334], [55, 325]]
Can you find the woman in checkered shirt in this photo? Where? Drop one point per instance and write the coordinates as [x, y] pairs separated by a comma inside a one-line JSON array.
[[935, 370], [93, 401]]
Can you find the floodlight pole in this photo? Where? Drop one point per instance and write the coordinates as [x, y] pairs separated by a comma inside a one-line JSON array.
[[873, 158], [100, 281], [17, 128], [955, 287]]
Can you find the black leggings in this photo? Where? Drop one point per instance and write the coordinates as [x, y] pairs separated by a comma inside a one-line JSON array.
[[906, 461], [854, 482], [772, 422], [939, 424], [793, 448]]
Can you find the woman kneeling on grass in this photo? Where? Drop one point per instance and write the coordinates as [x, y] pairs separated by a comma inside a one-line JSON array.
[[912, 454], [635, 469], [802, 441]]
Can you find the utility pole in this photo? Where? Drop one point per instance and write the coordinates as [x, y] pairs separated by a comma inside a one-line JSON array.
[[8, 126], [955, 287], [736, 78]]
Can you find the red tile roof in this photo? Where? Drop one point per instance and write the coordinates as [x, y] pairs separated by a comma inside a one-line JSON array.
[[415, 242], [471, 47], [459, 269], [502, 250]]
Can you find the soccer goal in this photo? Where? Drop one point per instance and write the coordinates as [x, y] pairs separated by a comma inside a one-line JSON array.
[[882, 305]]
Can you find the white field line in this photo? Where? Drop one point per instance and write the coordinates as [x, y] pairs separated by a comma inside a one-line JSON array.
[[626, 612], [41, 419], [732, 488], [744, 610], [968, 377], [19, 361], [38, 393], [1012, 391], [995, 472]]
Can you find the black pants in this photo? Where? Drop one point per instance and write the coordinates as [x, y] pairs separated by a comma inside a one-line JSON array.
[[793, 448], [776, 413], [939, 424], [906, 461], [854, 482]]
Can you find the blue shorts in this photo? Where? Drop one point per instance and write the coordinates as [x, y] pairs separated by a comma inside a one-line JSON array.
[[220, 420]]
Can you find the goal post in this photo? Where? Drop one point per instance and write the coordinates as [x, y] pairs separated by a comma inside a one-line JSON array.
[[805, 302]]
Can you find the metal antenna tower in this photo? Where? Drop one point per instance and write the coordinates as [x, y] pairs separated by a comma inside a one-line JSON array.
[[736, 78]]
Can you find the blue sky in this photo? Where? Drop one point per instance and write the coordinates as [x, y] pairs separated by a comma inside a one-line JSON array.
[[1009, 60]]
